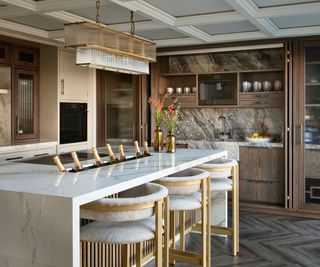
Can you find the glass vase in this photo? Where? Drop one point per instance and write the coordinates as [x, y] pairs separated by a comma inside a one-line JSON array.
[[157, 139], [171, 143]]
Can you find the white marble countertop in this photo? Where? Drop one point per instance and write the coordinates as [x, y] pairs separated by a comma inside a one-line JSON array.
[[89, 185]]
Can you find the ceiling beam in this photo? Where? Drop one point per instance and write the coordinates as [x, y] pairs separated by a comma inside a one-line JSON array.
[[249, 10], [17, 27], [66, 17], [26, 4], [300, 31], [177, 42], [195, 32]]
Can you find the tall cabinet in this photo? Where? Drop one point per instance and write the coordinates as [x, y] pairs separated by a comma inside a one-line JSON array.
[[306, 128]]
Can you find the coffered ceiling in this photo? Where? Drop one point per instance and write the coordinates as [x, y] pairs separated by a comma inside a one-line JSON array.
[[167, 22]]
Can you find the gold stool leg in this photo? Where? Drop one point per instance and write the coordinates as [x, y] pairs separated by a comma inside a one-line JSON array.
[[204, 222], [139, 254], [166, 232], [125, 255], [182, 223], [173, 231], [234, 211], [209, 222], [158, 248], [238, 212]]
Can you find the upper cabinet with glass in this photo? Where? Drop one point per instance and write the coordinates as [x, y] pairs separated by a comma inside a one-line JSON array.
[[312, 95], [26, 57]]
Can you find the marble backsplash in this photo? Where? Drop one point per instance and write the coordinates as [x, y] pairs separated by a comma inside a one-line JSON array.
[[227, 61], [203, 124]]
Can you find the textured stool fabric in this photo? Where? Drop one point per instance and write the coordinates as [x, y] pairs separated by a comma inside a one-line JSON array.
[[185, 202], [221, 184], [219, 163], [146, 193], [119, 232], [188, 175]]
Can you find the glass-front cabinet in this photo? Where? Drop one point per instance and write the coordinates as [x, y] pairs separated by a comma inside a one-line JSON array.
[[25, 110], [307, 127]]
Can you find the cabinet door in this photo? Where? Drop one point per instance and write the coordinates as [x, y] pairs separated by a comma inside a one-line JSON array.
[[26, 57], [262, 175], [73, 78], [306, 135], [4, 54], [25, 110]]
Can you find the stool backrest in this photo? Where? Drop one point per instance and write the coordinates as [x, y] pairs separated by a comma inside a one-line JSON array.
[[184, 182], [133, 204], [219, 168]]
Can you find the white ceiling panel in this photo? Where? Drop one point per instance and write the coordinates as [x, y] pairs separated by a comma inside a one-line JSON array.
[[109, 14], [222, 28], [190, 7], [39, 21], [271, 3], [160, 34], [297, 21]]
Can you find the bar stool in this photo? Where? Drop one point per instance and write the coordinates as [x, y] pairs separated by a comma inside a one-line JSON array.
[[184, 195], [220, 170], [132, 218]]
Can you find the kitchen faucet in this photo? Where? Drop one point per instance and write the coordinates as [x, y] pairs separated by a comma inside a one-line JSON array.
[[224, 126]]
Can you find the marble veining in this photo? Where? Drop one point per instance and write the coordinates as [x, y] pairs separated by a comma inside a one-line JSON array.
[[204, 124], [227, 61]]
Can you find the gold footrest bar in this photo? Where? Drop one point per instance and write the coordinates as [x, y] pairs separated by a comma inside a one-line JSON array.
[[185, 256], [217, 230]]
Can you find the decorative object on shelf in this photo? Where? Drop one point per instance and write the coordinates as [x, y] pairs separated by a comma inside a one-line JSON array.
[[172, 115], [101, 47], [178, 90], [169, 90], [246, 86], [266, 86], [194, 89], [158, 115], [277, 85], [186, 90], [257, 86]]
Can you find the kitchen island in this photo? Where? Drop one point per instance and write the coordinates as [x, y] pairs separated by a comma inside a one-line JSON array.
[[40, 208]]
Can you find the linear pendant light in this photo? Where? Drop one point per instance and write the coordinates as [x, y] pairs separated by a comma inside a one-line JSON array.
[[98, 46]]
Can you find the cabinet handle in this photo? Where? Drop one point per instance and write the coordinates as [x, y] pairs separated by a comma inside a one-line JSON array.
[[14, 158], [146, 131], [18, 124], [298, 135], [62, 86], [261, 181], [42, 154]]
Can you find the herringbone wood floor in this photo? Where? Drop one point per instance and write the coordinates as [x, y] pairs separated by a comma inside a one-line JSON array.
[[266, 241]]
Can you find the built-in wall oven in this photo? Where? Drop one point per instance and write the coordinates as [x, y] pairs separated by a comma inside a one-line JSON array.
[[73, 122]]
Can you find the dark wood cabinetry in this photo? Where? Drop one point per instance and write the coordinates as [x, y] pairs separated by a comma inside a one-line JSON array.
[[26, 57], [262, 175], [25, 95], [4, 54]]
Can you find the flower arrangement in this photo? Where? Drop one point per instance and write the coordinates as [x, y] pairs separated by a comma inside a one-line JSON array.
[[172, 116], [158, 112]]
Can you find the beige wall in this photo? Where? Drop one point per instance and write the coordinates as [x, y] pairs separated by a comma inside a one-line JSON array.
[[49, 93]]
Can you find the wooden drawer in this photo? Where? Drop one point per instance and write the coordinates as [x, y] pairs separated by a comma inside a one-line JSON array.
[[262, 99], [261, 191], [262, 164], [184, 100]]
